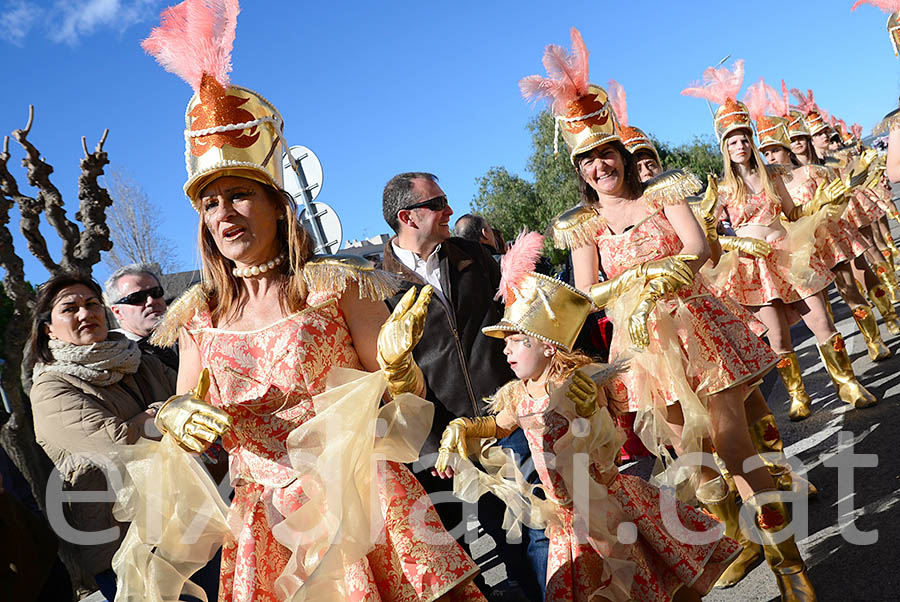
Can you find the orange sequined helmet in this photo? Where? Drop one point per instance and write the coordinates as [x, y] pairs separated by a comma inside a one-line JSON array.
[[733, 115], [797, 125]]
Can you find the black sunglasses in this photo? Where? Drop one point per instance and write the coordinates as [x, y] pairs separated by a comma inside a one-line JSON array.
[[140, 297], [438, 203]]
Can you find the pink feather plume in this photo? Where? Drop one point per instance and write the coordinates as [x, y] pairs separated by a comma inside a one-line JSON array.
[[618, 101], [756, 101], [195, 37], [567, 75], [888, 6], [779, 104], [805, 103], [518, 262], [719, 83], [856, 130]]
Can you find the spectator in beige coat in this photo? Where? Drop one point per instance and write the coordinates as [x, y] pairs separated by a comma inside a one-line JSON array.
[[91, 391]]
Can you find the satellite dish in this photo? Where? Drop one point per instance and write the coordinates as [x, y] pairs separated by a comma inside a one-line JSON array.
[[330, 224], [311, 167]]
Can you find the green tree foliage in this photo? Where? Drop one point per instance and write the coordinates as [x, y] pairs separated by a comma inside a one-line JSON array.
[[510, 202]]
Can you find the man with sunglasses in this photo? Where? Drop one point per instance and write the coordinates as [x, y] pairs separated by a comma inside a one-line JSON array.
[[136, 298], [461, 366]]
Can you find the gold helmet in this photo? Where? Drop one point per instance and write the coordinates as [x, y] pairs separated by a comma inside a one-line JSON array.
[[721, 85], [797, 125], [731, 116], [635, 141], [537, 305], [582, 110], [229, 130], [773, 130]]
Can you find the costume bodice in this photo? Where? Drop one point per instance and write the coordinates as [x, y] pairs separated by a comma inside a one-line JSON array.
[[544, 427], [649, 239], [754, 210], [805, 192], [265, 380]]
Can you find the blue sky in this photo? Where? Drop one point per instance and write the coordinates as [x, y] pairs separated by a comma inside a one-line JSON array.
[[375, 88]]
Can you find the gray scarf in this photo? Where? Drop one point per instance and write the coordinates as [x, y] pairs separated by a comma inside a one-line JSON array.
[[102, 364]]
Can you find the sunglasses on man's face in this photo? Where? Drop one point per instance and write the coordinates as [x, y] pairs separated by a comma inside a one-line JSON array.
[[438, 203], [140, 297]]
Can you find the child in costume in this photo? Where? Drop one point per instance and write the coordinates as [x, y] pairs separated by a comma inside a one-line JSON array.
[[563, 414]]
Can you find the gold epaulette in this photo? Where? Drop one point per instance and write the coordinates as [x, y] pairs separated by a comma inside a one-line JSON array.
[[332, 273], [177, 315], [577, 227], [671, 187], [503, 399], [890, 122]]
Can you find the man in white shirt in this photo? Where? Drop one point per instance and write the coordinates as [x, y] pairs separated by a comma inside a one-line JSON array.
[[461, 365]]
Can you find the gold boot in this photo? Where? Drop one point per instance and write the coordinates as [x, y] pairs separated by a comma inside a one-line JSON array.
[[837, 362], [888, 278], [869, 329], [789, 369], [783, 557], [767, 440], [879, 297], [716, 497]]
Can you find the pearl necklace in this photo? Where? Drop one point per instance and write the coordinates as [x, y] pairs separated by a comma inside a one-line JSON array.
[[256, 270]]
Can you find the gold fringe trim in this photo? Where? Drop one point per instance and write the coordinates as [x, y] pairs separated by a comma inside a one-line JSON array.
[[166, 332], [577, 227], [504, 399], [671, 187], [333, 273], [890, 122]]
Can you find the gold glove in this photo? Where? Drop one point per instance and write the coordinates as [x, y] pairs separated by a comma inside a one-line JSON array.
[[750, 246], [706, 212], [192, 422], [637, 322], [828, 193], [674, 270], [454, 437], [396, 340], [583, 392]]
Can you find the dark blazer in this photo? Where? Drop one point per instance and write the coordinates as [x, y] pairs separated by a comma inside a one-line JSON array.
[[461, 365]]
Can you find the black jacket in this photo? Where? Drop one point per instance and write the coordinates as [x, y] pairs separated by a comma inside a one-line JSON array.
[[461, 365]]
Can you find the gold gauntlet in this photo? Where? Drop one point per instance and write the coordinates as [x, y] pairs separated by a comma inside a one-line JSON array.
[[750, 246], [706, 212], [673, 270], [454, 437], [828, 193], [193, 423], [583, 393], [396, 340]]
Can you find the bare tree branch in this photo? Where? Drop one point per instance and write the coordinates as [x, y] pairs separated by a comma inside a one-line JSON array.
[[48, 195], [92, 213]]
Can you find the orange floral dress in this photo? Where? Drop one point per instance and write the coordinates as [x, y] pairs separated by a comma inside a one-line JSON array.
[[265, 380], [662, 563], [837, 239], [863, 208], [718, 350], [757, 281]]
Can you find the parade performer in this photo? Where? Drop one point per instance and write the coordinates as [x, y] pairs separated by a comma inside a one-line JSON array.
[[323, 509], [635, 140], [692, 363], [554, 389], [753, 199], [837, 242]]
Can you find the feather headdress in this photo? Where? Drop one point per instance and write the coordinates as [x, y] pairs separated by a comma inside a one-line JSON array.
[[568, 76], [805, 103], [856, 130], [719, 83], [888, 6], [756, 100], [196, 37], [779, 104], [518, 262], [618, 101]]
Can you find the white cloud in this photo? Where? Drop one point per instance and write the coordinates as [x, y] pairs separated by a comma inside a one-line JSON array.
[[17, 19], [67, 21], [77, 18]]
